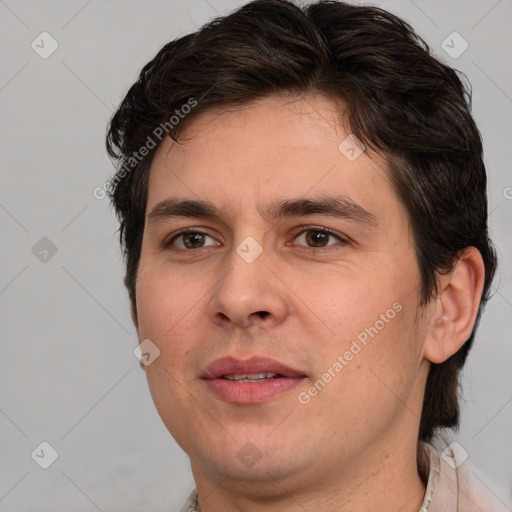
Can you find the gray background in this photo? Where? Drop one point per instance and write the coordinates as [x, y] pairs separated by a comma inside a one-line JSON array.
[[68, 374]]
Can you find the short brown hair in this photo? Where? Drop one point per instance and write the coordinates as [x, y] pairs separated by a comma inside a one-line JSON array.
[[401, 101]]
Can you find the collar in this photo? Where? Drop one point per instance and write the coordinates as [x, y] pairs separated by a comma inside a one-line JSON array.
[[429, 466]]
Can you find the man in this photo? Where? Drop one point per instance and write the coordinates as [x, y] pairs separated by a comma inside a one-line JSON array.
[[303, 209]]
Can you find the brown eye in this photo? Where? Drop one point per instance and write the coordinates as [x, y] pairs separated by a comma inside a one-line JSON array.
[[192, 240], [318, 238]]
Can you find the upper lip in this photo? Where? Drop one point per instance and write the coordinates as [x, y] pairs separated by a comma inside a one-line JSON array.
[[256, 364]]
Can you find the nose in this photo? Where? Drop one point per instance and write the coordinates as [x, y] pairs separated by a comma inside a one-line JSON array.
[[249, 294]]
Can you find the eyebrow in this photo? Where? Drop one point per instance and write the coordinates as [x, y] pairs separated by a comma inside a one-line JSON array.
[[340, 207]]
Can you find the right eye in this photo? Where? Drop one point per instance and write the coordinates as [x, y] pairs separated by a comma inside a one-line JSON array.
[[191, 240]]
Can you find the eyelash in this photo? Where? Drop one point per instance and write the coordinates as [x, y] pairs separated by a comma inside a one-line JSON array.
[[304, 229], [319, 229]]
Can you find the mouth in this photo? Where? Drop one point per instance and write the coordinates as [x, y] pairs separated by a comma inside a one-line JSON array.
[[252, 377], [250, 381]]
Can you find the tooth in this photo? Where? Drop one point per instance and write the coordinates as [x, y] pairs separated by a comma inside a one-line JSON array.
[[249, 377], [260, 375]]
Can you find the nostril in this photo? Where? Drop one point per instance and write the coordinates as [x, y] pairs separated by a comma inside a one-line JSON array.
[[225, 318]]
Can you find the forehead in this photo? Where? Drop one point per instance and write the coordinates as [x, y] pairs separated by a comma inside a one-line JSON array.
[[278, 146]]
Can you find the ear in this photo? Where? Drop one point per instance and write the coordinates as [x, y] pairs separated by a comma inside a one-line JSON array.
[[135, 320], [453, 313], [135, 317]]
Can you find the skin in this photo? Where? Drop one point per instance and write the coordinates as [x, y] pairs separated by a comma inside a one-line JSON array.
[[353, 446]]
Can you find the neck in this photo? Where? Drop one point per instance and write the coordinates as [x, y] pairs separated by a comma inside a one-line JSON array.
[[386, 481]]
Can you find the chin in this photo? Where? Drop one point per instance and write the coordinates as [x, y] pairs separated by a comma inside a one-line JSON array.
[[252, 459], [262, 477]]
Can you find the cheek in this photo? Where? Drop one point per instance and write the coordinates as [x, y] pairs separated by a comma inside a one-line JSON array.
[[375, 364], [165, 310], [371, 337], [351, 304], [164, 300]]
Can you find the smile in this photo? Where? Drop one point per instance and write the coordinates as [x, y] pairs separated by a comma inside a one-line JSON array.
[[250, 381]]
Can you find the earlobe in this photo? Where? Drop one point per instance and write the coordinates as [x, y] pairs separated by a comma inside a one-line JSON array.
[[453, 314]]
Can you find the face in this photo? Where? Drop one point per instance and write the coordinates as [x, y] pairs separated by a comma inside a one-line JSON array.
[[278, 279]]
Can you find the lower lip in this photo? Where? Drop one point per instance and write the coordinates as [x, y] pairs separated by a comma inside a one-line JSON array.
[[252, 392]]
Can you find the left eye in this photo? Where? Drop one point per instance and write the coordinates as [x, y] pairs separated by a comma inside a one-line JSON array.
[[318, 238], [192, 240]]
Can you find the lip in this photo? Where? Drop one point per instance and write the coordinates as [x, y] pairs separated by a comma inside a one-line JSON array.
[[250, 392], [255, 364]]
